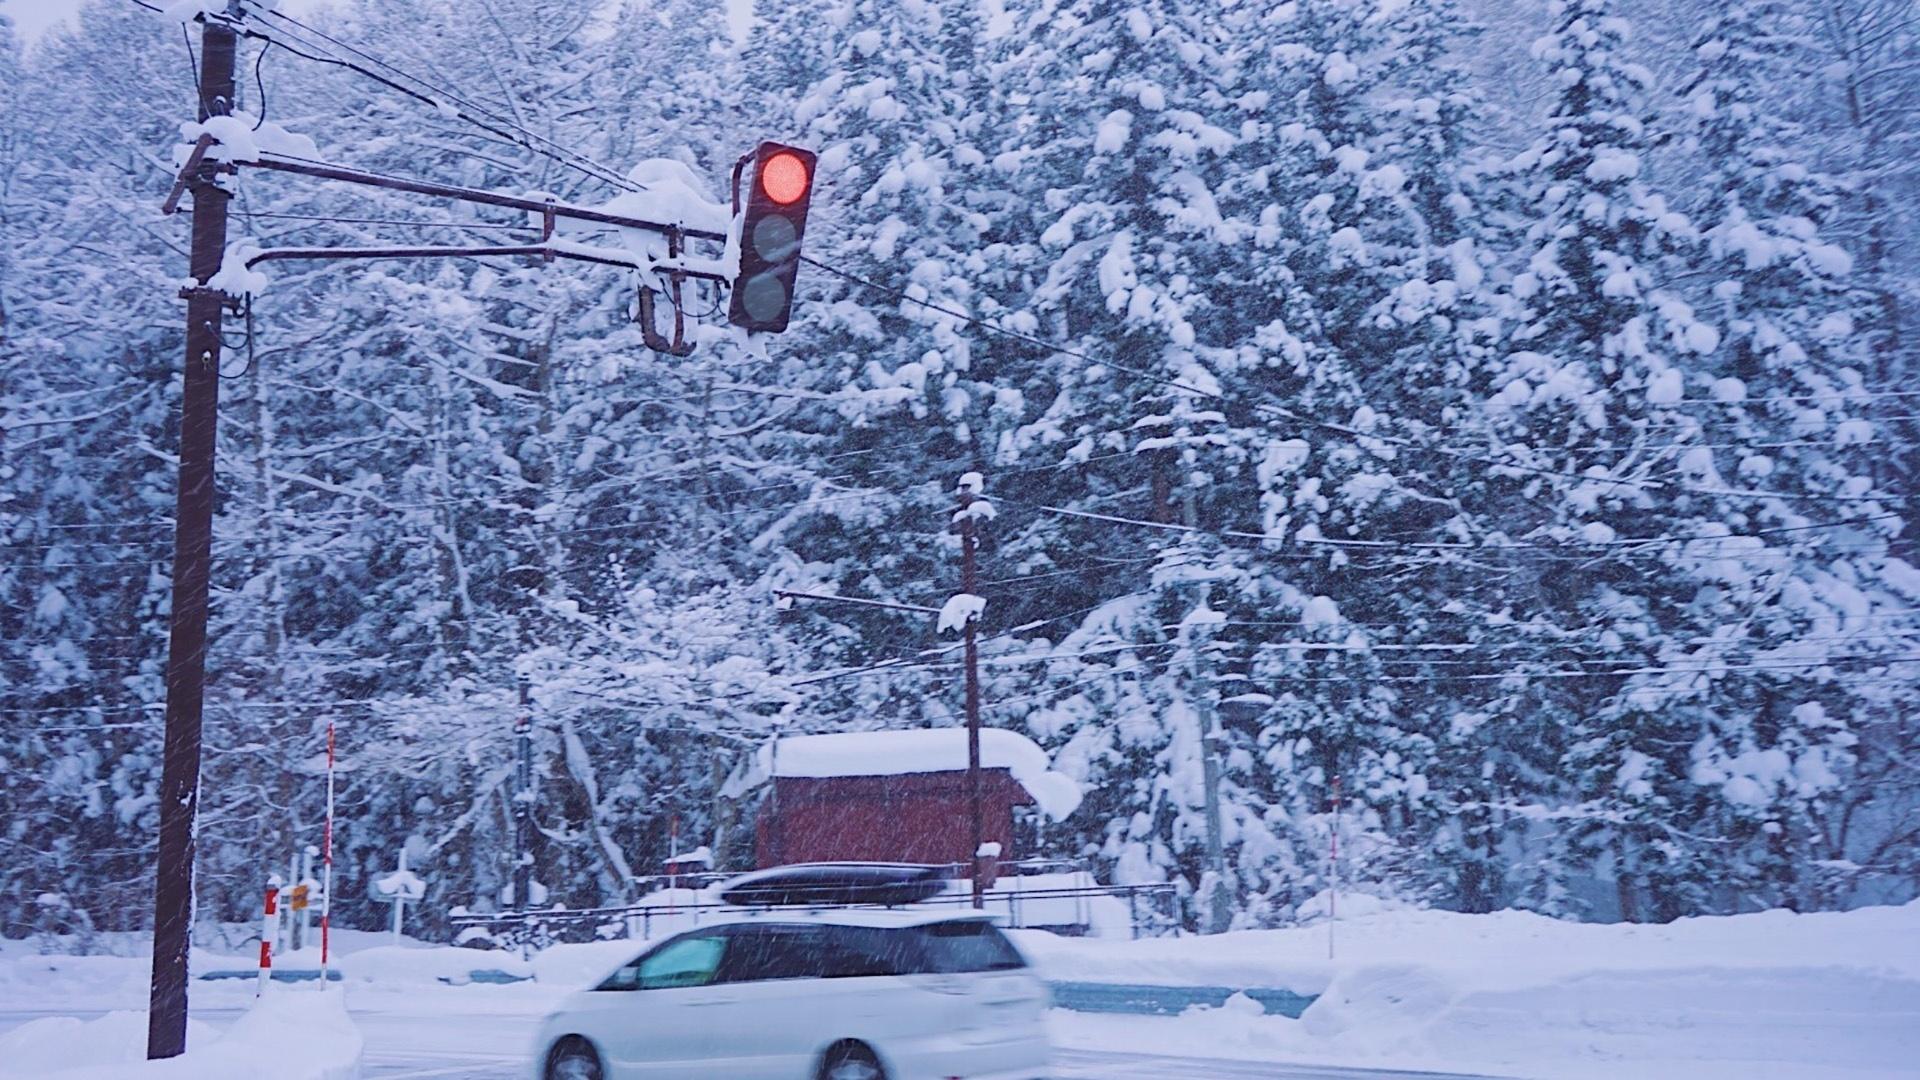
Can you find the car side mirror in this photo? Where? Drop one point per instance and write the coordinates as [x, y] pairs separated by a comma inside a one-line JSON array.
[[626, 978]]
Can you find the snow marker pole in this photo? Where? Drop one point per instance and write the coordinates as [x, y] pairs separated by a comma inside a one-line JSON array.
[[269, 929], [326, 855]]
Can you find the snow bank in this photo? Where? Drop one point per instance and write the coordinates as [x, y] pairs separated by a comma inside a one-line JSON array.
[[893, 753], [52, 1044], [290, 1034], [577, 966], [92, 983], [1774, 993], [392, 966]]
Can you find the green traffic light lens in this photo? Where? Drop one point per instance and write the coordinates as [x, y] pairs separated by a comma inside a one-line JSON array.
[[764, 296]]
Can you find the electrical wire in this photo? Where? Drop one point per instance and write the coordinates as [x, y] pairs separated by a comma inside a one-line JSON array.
[[1362, 437], [260, 83], [438, 97], [1375, 545]]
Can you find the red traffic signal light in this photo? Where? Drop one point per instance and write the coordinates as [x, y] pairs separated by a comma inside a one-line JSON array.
[[771, 227], [785, 178]]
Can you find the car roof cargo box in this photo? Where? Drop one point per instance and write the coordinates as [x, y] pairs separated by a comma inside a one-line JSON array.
[[887, 884]]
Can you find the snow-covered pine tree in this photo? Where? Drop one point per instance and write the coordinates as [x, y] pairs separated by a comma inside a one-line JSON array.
[[1594, 407], [1789, 413], [1596, 346], [89, 349]]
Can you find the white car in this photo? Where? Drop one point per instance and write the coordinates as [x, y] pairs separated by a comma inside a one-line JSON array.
[[810, 995]]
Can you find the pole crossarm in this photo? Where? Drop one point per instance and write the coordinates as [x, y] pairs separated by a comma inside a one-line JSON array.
[[579, 253], [567, 211], [829, 598]]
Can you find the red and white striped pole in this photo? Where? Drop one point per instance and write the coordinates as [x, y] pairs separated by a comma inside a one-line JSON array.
[[326, 855], [269, 929]]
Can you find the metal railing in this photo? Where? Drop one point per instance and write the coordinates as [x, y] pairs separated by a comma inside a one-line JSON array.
[[1152, 911]]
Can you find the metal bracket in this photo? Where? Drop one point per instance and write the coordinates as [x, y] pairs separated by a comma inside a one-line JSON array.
[[548, 249], [678, 345], [188, 173], [196, 292]]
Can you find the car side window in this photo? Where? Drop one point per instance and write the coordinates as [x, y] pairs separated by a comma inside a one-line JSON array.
[[856, 952], [689, 961], [962, 946], [760, 953]]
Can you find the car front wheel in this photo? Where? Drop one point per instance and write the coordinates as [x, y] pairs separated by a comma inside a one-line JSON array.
[[851, 1061], [574, 1059]]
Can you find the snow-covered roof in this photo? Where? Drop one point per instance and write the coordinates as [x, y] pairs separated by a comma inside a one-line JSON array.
[[924, 750]]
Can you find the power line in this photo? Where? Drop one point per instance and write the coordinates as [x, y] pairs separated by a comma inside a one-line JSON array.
[[1290, 680], [1386, 545], [440, 98], [1281, 411]]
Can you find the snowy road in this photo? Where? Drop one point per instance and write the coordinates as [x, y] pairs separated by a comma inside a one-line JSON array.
[[420, 1045]]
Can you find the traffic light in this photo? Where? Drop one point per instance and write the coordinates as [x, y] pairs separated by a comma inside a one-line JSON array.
[[770, 232]]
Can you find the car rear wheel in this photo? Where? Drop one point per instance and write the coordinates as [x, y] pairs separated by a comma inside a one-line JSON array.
[[574, 1059], [851, 1061]]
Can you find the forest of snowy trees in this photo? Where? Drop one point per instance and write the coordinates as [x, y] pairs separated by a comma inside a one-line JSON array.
[[1506, 406]]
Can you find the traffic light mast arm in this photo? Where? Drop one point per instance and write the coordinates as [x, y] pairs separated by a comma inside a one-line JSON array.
[[475, 195], [678, 265], [548, 250]]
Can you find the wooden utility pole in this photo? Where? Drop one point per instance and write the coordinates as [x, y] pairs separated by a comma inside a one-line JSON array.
[[192, 553], [523, 799], [971, 631]]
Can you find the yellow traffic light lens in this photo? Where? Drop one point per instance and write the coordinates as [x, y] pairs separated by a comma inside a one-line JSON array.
[[784, 178], [774, 239]]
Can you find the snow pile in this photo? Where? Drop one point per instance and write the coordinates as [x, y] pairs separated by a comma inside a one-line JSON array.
[[237, 139], [235, 277], [1519, 994], [294, 1035], [671, 194], [923, 750], [52, 1044], [400, 965], [580, 965], [959, 610]]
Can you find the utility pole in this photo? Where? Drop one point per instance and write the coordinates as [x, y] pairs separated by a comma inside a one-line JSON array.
[[1219, 901], [192, 553], [523, 800], [968, 493]]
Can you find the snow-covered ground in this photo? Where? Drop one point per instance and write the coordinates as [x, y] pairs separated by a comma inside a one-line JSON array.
[[1771, 994], [1775, 994]]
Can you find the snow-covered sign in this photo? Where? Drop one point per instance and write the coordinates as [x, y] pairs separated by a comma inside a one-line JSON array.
[[701, 856], [402, 884], [924, 750]]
